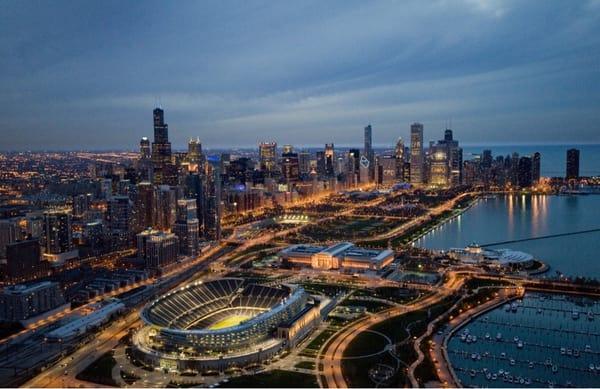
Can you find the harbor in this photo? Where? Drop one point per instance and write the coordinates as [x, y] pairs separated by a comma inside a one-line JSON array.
[[541, 340]]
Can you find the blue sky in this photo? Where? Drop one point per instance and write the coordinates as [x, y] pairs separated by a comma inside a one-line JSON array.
[[84, 74]]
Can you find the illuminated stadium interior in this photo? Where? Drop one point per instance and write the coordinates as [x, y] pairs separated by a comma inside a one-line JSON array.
[[213, 305], [218, 322]]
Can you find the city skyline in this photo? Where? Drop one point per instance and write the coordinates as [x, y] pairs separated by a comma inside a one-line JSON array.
[[498, 71]]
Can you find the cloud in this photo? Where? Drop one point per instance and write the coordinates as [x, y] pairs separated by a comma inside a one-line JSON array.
[[310, 72]]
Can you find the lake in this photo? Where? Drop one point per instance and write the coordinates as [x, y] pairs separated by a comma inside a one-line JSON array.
[[509, 217]]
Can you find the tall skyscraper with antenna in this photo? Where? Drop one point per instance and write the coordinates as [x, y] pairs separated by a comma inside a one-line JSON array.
[[161, 149]]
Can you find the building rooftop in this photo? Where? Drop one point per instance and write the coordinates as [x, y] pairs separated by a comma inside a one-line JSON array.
[[23, 288]]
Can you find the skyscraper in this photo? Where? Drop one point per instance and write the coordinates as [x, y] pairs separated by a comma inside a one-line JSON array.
[[165, 207], [144, 206], [157, 248], [572, 164], [354, 166], [145, 151], [161, 149], [120, 221], [439, 166], [290, 166], [187, 227], [268, 156], [368, 153], [399, 155], [535, 167], [329, 160], [524, 172], [453, 156], [8, 234], [212, 213], [57, 240], [23, 261], [321, 170], [194, 155], [416, 153], [304, 162]]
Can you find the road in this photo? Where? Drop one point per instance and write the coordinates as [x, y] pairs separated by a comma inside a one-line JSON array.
[[105, 341], [334, 353]]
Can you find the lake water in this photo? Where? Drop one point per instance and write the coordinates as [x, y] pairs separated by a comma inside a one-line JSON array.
[[509, 217], [558, 347]]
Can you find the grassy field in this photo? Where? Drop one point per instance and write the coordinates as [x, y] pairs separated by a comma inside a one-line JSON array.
[[100, 371], [229, 322], [349, 228], [398, 329], [305, 365], [371, 306], [273, 379]]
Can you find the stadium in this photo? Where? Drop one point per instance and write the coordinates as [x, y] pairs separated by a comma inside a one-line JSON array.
[[221, 323]]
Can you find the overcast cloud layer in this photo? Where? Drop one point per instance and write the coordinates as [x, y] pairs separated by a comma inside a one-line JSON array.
[[87, 74]]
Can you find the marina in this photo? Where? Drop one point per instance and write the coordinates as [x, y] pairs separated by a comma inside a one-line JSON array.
[[542, 340]]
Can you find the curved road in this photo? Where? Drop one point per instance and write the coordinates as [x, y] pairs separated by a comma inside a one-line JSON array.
[[334, 353]]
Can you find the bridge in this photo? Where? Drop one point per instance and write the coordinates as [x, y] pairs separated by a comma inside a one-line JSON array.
[[540, 237]]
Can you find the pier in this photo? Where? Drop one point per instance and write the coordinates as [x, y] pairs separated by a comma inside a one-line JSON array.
[[541, 237]]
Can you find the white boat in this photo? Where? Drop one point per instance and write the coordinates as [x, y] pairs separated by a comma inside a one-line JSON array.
[[591, 367], [498, 336], [528, 381], [520, 344], [474, 338], [473, 356], [494, 377], [513, 307], [512, 362], [576, 353], [531, 365], [502, 355], [516, 339], [487, 336], [554, 368], [472, 373], [539, 310], [548, 361], [575, 315], [488, 376], [569, 352], [588, 348], [507, 307], [590, 315], [563, 351]]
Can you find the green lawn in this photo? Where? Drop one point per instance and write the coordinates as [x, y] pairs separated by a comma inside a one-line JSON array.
[[357, 370], [273, 379], [305, 365], [100, 371]]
